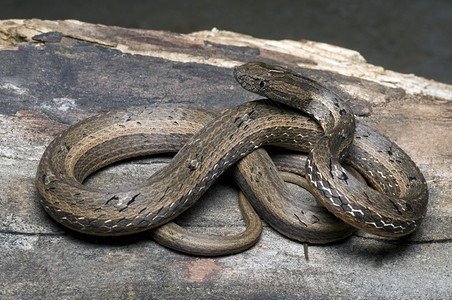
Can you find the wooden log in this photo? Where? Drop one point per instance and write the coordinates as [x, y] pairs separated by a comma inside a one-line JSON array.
[[56, 73]]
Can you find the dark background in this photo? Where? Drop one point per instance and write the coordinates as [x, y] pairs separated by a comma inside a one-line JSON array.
[[412, 36]]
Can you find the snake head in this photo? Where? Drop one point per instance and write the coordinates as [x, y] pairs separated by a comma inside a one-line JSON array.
[[257, 76], [276, 83]]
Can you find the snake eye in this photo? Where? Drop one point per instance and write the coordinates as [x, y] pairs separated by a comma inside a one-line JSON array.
[[262, 83]]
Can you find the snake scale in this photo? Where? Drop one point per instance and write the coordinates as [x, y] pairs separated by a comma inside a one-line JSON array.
[[302, 116]]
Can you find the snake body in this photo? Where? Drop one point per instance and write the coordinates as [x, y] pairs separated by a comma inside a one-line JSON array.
[[209, 143], [395, 205], [112, 136]]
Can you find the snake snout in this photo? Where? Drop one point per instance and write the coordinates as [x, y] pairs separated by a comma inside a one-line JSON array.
[[252, 76]]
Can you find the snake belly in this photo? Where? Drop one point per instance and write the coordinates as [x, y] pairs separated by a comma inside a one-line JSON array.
[[397, 201]]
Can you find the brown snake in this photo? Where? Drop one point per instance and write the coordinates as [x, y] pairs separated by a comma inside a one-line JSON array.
[[210, 144]]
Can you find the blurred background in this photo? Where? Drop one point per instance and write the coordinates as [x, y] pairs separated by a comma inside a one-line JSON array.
[[409, 36]]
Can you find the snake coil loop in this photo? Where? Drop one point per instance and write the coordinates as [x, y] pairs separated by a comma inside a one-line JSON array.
[[208, 143]]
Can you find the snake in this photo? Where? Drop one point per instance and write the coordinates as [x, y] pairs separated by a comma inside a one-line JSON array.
[[301, 115], [396, 201]]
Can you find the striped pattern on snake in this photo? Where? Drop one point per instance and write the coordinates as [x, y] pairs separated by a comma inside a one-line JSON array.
[[397, 201], [393, 207], [112, 136]]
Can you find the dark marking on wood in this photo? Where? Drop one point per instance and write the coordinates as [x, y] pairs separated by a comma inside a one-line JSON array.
[[49, 37], [237, 49]]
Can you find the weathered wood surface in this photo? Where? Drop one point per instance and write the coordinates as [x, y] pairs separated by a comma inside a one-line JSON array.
[[53, 74]]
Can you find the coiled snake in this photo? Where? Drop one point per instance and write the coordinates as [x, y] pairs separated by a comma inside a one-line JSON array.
[[208, 143]]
